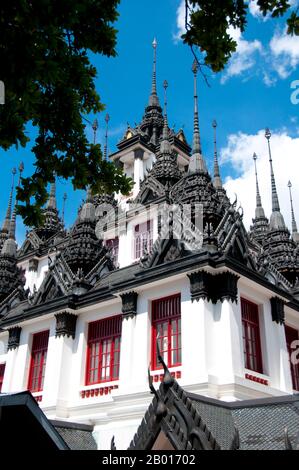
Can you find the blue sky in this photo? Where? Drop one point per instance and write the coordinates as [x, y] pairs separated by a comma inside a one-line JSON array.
[[252, 93]]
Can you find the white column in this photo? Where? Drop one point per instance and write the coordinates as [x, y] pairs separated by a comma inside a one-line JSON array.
[[141, 347], [126, 378], [58, 372], [193, 314], [138, 170], [226, 358], [275, 353], [9, 370]]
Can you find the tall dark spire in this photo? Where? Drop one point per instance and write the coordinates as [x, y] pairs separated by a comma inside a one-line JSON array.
[[107, 118], [276, 219], [295, 233], [260, 223], [51, 204], [95, 126], [259, 211], [154, 100], [5, 227], [217, 178], [197, 162], [165, 144], [275, 202], [165, 168]]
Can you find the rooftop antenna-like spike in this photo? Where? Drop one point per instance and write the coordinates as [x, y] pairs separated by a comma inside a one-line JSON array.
[[63, 206], [294, 224], [197, 162], [154, 100], [217, 177], [107, 119], [12, 227], [275, 202], [6, 223], [95, 126], [165, 144]]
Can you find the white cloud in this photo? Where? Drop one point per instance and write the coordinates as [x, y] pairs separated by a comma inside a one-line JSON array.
[[180, 21], [285, 152], [285, 51], [254, 9], [245, 56]]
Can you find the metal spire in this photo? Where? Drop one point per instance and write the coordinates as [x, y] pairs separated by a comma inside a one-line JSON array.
[[12, 227], [196, 161], [107, 118], [275, 202], [259, 211], [294, 225], [52, 197], [63, 206], [6, 223], [217, 177], [154, 100], [95, 126], [165, 144], [276, 218]]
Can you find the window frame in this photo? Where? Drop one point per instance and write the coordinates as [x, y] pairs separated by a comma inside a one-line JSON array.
[[43, 350], [155, 365], [139, 240], [99, 361], [256, 354]]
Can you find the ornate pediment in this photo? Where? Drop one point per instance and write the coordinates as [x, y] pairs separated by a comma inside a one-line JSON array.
[[150, 190]]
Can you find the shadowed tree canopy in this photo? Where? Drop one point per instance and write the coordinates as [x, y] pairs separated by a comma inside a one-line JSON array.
[[208, 21], [49, 81]]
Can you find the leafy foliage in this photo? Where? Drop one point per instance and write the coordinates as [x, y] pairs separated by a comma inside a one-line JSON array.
[[210, 20], [49, 81]]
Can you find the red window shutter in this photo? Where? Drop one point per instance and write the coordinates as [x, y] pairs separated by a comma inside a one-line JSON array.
[[166, 330], [251, 336], [292, 335], [38, 361], [103, 350], [2, 370]]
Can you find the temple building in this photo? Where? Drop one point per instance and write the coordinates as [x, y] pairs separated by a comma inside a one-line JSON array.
[[163, 287]]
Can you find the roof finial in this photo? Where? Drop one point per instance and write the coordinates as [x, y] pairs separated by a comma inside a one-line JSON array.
[[217, 177], [107, 119], [95, 126], [12, 227], [294, 225], [6, 224], [275, 202], [63, 206], [196, 162], [154, 100], [259, 211], [52, 196], [165, 144]]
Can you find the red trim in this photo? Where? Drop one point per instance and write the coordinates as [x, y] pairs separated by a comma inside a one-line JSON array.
[[38, 361], [292, 335], [256, 379], [103, 350], [166, 325], [2, 371], [251, 336]]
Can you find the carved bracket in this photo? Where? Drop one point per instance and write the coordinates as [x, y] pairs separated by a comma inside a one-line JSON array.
[[277, 310], [65, 324], [129, 304], [14, 337], [216, 287]]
